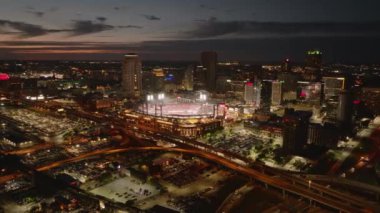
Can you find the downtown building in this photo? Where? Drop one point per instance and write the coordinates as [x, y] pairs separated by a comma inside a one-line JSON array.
[[131, 83], [188, 79], [286, 65], [295, 130], [199, 78], [370, 98], [248, 93], [277, 93], [262, 94], [266, 95], [337, 99], [313, 65], [289, 86], [209, 61], [323, 134]]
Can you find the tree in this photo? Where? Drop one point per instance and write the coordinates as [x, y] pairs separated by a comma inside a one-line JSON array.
[[299, 164]]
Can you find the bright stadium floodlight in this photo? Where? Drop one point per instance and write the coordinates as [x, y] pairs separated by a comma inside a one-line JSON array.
[[40, 97], [161, 96], [150, 98], [203, 97]]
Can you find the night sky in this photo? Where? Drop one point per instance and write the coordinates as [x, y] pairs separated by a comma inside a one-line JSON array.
[[249, 30]]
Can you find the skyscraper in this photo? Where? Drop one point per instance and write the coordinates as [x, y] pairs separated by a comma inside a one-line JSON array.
[[248, 92], [313, 65], [289, 85], [338, 99], [209, 61], [199, 78], [344, 113], [286, 66], [277, 93], [266, 95], [310, 92], [332, 86], [188, 78], [326, 134], [131, 76], [159, 80], [314, 59], [262, 93], [295, 126]]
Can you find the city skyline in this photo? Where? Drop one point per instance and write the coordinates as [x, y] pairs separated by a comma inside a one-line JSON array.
[[173, 30], [189, 106]]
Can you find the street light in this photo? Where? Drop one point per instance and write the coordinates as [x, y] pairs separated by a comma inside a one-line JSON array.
[[309, 184]]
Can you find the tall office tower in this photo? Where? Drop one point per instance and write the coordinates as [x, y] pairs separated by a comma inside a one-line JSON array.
[[257, 92], [310, 92], [345, 108], [325, 135], [262, 93], [4, 79], [199, 78], [370, 97], [314, 58], [158, 83], [313, 65], [221, 84], [338, 99], [132, 76], [235, 88], [276, 93], [333, 86], [289, 85], [188, 78], [295, 126], [248, 93], [286, 66], [266, 95], [209, 61]]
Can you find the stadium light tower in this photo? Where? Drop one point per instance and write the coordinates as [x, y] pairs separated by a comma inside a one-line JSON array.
[[161, 96], [150, 98], [203, 97]]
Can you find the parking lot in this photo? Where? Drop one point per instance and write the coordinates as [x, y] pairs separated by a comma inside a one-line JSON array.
[[244, 142], [39, 123], [125, 189], [238, 140]]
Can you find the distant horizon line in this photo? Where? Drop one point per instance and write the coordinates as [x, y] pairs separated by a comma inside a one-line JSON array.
[[184, 61]]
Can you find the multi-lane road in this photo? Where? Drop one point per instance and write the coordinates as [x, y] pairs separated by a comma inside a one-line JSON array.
[[273, 181], [298, 180], [270, 177]]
